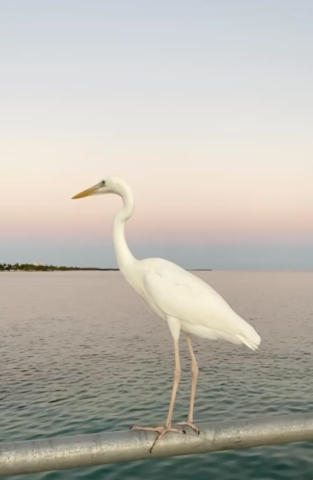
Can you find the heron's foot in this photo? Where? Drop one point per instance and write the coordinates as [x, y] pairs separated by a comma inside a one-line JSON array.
[[160, 431], [191, 425]]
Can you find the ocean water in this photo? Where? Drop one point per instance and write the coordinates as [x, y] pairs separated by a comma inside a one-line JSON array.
[[82, 353]]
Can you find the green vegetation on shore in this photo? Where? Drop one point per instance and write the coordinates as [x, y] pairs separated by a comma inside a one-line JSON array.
[[34, 267], [29, 267]]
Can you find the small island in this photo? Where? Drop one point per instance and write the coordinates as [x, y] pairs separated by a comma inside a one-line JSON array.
[[34, 267], [38, 267]]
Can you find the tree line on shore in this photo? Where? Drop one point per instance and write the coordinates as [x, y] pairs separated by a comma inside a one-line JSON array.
[[29, 267]]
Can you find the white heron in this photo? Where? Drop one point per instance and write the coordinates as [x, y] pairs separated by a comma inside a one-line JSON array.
[[180, 298]]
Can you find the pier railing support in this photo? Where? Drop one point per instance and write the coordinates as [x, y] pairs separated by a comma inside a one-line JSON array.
[[59, 453]]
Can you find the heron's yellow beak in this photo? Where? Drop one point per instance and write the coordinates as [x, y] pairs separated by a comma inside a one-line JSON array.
[[87, 193]]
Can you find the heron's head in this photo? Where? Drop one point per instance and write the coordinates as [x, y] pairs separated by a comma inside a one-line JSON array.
[[109, 185]]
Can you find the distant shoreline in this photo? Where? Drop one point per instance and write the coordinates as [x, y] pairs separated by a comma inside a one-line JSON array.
[[28, 267]]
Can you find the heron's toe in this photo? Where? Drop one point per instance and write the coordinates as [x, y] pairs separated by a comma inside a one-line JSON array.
[[160, 430], [191, 425]]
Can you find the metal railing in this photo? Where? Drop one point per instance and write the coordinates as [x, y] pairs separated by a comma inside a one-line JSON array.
[[59, 453]]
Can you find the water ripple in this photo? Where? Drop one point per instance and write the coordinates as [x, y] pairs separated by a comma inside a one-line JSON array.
[[72, 363]]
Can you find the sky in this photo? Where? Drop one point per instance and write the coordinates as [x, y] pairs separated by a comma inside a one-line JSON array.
[[205, 108]]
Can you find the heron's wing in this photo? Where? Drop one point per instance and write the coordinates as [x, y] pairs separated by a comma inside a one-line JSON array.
[[183, 296]]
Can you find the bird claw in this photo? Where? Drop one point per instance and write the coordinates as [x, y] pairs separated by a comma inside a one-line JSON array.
[[191, 425], [160, 431]]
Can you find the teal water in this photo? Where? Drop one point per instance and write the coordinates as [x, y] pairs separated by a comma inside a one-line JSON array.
[[82, 353]]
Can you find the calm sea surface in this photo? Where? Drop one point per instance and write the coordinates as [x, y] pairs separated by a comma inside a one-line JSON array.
[[82, 353]]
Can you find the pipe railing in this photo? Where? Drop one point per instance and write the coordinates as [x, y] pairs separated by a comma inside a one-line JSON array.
[[58, 453]]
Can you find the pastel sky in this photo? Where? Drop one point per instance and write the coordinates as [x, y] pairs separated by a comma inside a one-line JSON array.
[[205, 107]]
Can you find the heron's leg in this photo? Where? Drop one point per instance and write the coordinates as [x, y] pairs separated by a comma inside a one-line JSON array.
[[177, 373], [194, 371], [167, 427]]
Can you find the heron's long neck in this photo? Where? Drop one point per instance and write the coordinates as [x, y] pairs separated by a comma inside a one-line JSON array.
[[124, 256]]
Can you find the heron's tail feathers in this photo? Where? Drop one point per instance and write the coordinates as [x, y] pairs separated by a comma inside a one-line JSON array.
[[249, 343], [249, 336]]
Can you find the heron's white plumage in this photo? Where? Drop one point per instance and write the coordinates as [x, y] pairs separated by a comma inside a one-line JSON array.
[[185, 301], [200, 310], [171, 291]]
